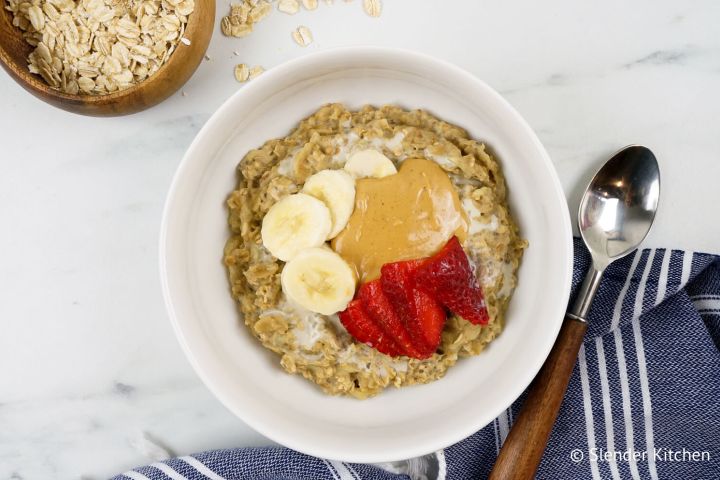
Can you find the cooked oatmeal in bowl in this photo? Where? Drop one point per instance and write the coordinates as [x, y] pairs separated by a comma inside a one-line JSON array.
[[372, 248], [231, 358]]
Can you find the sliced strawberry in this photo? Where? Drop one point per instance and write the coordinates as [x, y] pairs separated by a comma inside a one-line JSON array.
[[397, 283], [359, 324], [449, 278], [431, 317], [377, 304], [423, 317]]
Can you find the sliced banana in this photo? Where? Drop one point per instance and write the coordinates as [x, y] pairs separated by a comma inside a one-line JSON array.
[[319, 280], [294, 223], [336, 188], [369, 163]]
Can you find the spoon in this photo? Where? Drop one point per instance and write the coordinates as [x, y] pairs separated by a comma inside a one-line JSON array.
[[615, 216]]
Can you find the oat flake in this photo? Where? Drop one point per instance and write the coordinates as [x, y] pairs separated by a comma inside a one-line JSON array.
[[243, 16], [302, 36], [310, 4], [242, 73], [290, 7], [255, 72], [372, 7]]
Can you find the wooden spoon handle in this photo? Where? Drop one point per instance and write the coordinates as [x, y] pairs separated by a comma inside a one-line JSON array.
[[524, 446]]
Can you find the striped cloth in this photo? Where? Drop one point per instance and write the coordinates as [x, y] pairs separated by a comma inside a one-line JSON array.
[[643, 400]]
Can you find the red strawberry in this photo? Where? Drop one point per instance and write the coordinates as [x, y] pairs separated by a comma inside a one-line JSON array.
[[357, 321], [449, 278], [423, 317], [431, 318], [377, 304]]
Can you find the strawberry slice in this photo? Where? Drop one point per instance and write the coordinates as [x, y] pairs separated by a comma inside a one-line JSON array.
[[431, 316], [448, 277], [423, 317], [381, 311], [359, 324]]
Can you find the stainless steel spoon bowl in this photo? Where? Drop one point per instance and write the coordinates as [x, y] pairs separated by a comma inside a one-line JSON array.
[[616, 213]]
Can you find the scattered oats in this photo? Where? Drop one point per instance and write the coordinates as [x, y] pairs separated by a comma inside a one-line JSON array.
[[184, 93], [372, 7], [242, 73], [260, 11], [242, 30], [236, 53], [328, 2], [241, 10], [226, 26], [310, 4], [207, 58], [290, 7], [302, 36], [99, 46], [243, 16], [255, 71]]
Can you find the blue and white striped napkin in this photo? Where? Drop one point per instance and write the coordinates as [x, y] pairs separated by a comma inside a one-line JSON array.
[[643, 401]]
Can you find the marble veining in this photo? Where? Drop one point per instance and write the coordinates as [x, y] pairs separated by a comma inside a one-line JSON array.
[[93, 380], [662, 57]]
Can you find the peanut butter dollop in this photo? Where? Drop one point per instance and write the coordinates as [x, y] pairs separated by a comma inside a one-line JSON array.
[[409, 215]]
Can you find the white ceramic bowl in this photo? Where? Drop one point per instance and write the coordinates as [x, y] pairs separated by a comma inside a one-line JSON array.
[[246, 378]]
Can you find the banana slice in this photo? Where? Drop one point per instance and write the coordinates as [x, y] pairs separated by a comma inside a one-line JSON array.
[[294, 223], [369, 163], [336, 188], [319, 280]]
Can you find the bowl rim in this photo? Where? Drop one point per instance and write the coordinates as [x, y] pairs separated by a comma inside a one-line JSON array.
[[273, 433]]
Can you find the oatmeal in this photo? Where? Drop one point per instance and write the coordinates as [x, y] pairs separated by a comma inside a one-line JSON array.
[[318, 346]]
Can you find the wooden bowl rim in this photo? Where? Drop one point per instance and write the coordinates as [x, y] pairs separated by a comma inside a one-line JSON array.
[[22, 74]]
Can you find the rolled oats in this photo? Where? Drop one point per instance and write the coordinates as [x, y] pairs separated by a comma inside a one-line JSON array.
[[242, 30], [239, 23], [244, 15], [310, 4], [302, 36], [290, 7], [99, 46], [242, 73], [260, 11], [255, 72], [372, 7]]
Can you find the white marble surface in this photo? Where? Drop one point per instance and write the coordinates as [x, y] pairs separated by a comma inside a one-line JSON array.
[[89, 361]]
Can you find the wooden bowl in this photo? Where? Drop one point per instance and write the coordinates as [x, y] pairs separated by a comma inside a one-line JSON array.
[[151, 91]]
